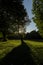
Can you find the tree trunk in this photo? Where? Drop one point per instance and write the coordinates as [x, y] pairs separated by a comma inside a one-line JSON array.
[[21, 37], [21, 40], [4, 36]]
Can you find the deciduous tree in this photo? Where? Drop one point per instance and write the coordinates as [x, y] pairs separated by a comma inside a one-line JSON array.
[[38, 14], [11, 12]]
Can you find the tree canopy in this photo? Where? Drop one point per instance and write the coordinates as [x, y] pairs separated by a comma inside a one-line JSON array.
[[12, 12], [38, 14]]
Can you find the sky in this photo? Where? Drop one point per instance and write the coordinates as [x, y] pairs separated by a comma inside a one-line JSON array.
[[28, 6]]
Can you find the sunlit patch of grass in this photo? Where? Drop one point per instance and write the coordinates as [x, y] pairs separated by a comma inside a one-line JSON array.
[[37, 49], [6, 47], [35, 43]]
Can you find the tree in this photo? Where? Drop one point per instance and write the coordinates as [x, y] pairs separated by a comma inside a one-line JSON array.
[[11, 12], [33, 35], [38, 14]]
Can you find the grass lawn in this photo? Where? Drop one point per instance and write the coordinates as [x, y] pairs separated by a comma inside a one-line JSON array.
[[37, 50], [36, 47], [6, 47]]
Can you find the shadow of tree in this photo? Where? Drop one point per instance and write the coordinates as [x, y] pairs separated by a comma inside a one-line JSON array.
[[20, 55]]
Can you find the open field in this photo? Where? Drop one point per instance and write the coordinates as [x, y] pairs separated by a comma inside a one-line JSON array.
[[36, 47]]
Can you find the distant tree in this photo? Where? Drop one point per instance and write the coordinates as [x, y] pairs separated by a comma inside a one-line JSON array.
[[38, 14], [33, 35], [12, 12]]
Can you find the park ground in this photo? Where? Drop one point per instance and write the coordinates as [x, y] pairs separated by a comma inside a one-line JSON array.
[[36, 47]]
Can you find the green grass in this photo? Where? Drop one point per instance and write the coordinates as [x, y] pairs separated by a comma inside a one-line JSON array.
[[6, 47], [34, 43], [37, 50], [36, 47]]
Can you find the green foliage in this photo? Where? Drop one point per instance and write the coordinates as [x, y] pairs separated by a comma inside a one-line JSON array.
[[38, 14], [12, 15], [12, 12]]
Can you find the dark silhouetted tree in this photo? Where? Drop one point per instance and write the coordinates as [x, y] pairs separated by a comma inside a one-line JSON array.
[[33, 35], [12, 12]]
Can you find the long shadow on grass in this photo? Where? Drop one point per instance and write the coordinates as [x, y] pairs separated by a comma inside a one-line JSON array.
[[20, 55]]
